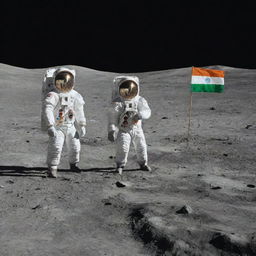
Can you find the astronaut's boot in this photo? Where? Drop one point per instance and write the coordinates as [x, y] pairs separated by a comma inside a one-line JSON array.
[[119, 170], [74, 167], [146, 168], [52, 171]]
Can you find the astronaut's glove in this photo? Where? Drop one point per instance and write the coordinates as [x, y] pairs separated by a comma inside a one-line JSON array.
[[82, 131], [52, 132], [111, 136], [136, 118]]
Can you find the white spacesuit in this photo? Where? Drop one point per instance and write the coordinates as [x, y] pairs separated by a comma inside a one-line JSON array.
[[125, 121], [63, 114]]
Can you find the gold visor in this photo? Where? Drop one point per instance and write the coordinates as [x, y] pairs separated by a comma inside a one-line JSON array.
[[128, 90], [64, 81]]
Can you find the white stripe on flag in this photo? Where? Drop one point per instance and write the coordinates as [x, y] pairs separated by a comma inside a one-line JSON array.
[[207, 80]]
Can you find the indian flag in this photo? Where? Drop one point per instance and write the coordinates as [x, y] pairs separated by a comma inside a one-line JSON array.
[[207, 80]]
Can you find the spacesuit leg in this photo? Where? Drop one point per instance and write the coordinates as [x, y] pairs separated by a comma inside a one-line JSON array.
[[55, 146], [73, 145], [123, 146], [140, 146]]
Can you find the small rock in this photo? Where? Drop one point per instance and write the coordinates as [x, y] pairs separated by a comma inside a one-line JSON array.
[[36, 207], [106, 202], [10, 181], [251, 186], [186, 209], [231, 243], [248, 126], [27, 141], [111, 157], [165, 117], [215, 187], [120, 184], [212, 108], [225, 154], [1, 186]]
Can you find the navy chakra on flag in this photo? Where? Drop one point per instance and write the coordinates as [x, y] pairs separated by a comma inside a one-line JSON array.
[[207, 80]]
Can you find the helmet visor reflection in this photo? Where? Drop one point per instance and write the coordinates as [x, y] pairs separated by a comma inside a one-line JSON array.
[[64, 81], [128, 89]]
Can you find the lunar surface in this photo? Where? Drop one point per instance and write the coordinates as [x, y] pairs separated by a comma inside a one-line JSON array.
[[199, 199]]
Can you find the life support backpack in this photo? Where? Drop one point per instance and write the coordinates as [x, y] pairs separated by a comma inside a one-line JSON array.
[[47, 86]]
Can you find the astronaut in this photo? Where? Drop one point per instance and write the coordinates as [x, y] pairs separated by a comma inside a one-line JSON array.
[[63, 113], [125, 121]]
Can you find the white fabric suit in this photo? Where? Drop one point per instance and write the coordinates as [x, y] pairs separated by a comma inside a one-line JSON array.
[[64, 113], [131, 132]]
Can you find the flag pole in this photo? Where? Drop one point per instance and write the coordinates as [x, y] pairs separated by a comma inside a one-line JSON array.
[[189, 116], [190, 110]]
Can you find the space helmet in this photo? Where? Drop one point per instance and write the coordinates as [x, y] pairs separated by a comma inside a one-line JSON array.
[[128, 89], [125, 88], [64, 79]]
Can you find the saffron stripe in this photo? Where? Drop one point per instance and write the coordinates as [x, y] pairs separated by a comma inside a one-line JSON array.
[[207, 72]]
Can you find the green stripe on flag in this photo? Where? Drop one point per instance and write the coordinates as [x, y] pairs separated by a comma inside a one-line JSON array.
[[207, 87]]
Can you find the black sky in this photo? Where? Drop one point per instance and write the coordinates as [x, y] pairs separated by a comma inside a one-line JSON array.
[[127, 36]]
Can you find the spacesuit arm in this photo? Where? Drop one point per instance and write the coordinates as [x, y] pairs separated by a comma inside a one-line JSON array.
[[144, 112], [49, 105], [79, 111], [113, 116]]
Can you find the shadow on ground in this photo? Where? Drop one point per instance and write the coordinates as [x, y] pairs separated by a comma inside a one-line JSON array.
[[21, 171]]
